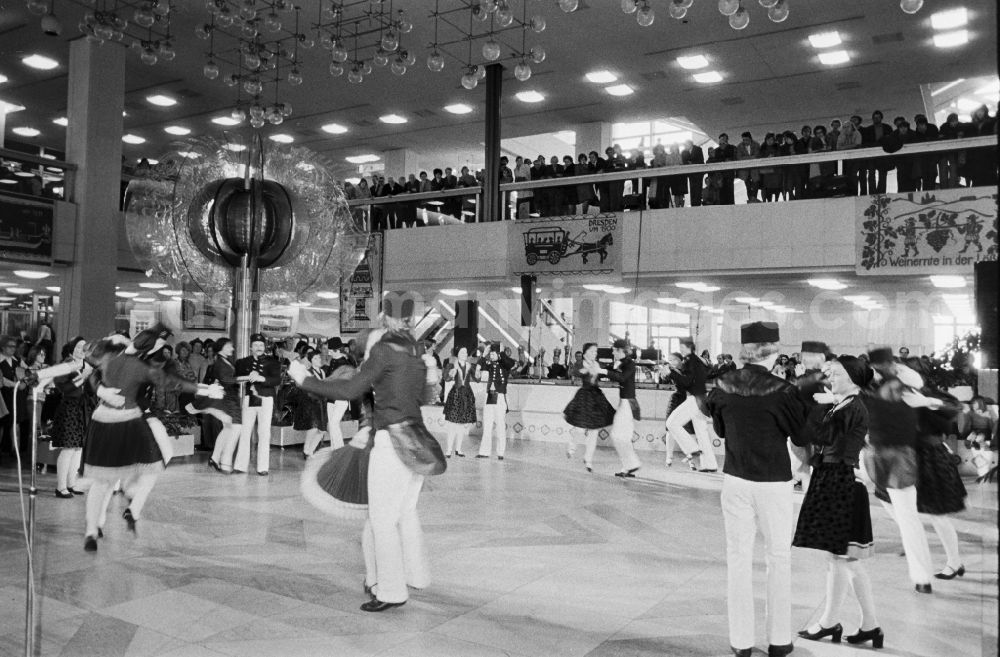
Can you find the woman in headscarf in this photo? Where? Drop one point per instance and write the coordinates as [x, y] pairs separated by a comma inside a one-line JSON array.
[[403, 452]]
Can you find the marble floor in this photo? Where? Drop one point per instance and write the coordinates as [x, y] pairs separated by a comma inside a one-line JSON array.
[[532, 556]]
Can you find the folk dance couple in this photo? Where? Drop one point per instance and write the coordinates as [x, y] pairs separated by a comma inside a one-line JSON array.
[[590, 410], [401, 453], [688, 376], [123, 442]]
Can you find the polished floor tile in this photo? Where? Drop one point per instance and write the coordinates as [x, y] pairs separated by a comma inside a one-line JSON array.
[[531, 557]]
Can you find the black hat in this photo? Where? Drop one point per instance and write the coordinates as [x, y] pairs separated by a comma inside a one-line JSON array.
[[880, 356], [146, 339], [622, 344], [856, 368], [495, 347], [759, 332], [257, 337], [398, 307], [811, 347], [335, 343]]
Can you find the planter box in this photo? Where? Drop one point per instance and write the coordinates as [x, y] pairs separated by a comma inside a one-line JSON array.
[[183, 444], [285, 436]]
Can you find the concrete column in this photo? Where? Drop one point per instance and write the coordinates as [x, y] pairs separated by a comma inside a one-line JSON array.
[[94, 143], [593, 137], [399, 163], [492, 209]]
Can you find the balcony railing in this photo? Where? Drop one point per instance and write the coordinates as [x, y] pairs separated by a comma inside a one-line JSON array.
[[432, 208], [35, 177]]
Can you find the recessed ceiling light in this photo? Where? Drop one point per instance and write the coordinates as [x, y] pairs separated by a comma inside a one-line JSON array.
[[281, 138], [602, 77], [191, 155], [41, 62], [9, 108], [62, 120], [834, 57], [133, 139], [20, 290], [334, 128], [327, 295], [170, 293], [392, 118], [53, 288], [453, 292], [668, 301], [938, 281], [178, 130], [161, 100], [951, 39], [458, 108], [686, 304], [745, 299], [363, 159], [708, 77], [126, 295], [31, 273], [225, 120], [950, 19], [619, 90], [529, 96], [856, 298], [143, 299], [235, 148], [826, 283], [25, 131], [3, 78], [153, 286], [693, 62], [825, 39]]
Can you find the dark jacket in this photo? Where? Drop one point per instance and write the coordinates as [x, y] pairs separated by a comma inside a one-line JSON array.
[[499, 371], [624, 376], [395, 372], [838, 434], [691, 376], [756, 413], [266, 365]]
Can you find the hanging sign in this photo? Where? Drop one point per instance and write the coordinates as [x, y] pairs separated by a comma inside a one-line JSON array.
[[945, 231], [566, 246], [361, 292]]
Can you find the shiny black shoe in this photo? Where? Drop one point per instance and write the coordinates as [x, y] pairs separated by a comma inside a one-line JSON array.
[[64, 496], [875, 636], [950, 573], [741, 652], [780, 651], [80, 492], [130, 520], [923, 588], [460, 454], [499, 458], [480, 456], [834, 633], [90, 544], [100, 533], [262, 473], [215, 466], [377, 605]]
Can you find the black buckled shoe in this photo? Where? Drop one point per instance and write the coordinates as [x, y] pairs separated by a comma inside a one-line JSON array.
[[950, 573], [130, 520], [90, 544], [780, 651], [377, 605], [874, 635], [834, 633]]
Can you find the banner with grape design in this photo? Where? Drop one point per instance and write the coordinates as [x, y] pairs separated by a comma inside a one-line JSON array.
[[944, 231]]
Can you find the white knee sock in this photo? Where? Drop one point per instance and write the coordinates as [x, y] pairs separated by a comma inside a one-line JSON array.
[[863, 590], [837, 582]]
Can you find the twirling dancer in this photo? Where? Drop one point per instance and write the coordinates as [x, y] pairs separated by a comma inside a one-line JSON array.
[[403, 453], [226, 410], [121, 443], [69, 426], [835, 516], [460, 406], [589, 409], [628, 409], [310, 411]]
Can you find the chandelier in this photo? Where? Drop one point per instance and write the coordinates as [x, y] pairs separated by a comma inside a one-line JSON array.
[[253, 41], [739, 17], [364, 34], [142, 25]]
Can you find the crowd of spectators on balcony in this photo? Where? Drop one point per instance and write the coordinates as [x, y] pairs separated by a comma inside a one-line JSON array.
[[781, 182]]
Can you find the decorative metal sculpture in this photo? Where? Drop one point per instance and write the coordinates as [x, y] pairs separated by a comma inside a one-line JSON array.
[[225, 217]]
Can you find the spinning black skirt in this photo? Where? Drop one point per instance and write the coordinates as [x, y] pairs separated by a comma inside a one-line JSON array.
[[835, 516], [460, 406], [589, 409], [939, 486], [336, 482], [114, 450]]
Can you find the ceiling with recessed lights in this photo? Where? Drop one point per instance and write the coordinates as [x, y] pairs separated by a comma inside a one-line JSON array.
[[767, 76]]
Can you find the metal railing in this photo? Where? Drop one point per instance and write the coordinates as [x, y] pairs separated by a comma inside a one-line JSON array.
[[857, 160], [35, 177]]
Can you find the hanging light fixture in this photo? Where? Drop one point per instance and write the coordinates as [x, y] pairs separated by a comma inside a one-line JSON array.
[[911, 6], [645, 16], [728, 7], [779, 11], [740, 18]]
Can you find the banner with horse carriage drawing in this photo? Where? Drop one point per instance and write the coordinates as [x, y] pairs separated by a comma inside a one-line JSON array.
[[566, 246]]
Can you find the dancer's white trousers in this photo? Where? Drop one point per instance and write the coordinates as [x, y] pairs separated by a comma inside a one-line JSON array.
[[746, 507], [392, 541], [494, 418], [261, 417], [688, 411], [621, 436]]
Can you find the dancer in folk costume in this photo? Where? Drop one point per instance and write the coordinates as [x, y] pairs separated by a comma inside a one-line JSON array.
[[835, 515], [497, 366], [690, 378], [589, 409], [403, 453], [310, 410], [122, 442], [69, 426], [628, 409], [460, 405], [227, 409]]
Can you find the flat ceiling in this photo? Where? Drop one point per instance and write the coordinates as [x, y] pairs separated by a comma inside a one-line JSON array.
[[772, 77]]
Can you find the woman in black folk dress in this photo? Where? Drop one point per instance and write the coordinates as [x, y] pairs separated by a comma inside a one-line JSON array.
[[310, 411], [460, 405], [69, 426], [589, 409], [835, 516]]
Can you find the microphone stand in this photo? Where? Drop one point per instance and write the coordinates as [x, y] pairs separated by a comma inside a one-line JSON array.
[[29, 589]]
